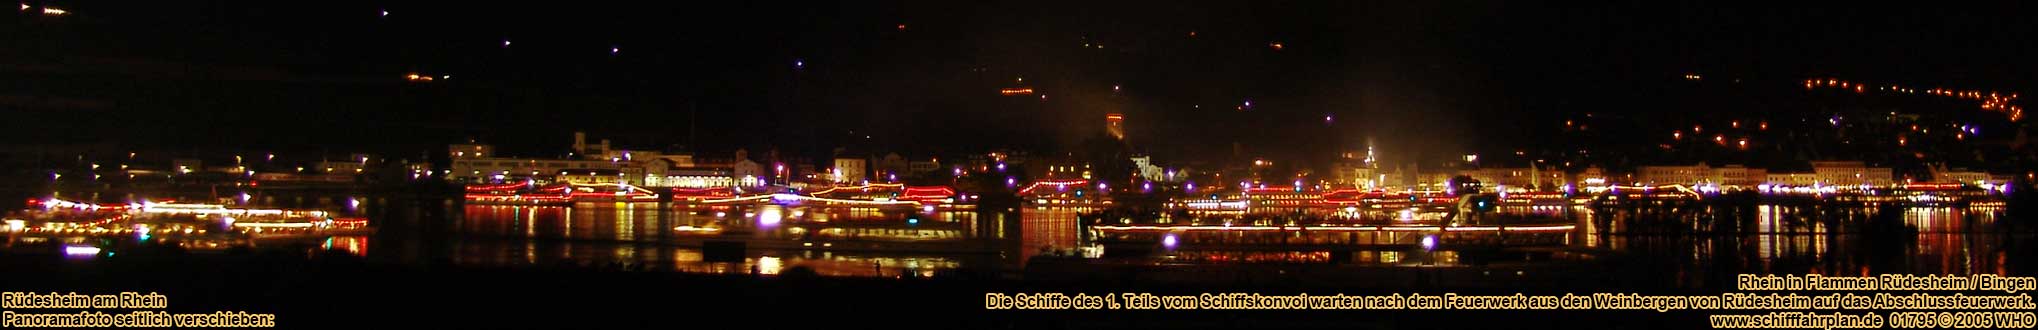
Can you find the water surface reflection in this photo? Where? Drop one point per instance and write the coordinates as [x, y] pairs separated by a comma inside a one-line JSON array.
[[646, 236], [1708, 243]]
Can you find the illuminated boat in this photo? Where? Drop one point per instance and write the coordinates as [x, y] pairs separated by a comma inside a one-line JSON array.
[[526, 193], [312, 228], [880, 194], [700, 194], [184, 221], [1073, 193], [529, 193]]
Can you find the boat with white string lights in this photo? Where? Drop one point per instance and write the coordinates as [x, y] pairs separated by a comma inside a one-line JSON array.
[[57, 218]]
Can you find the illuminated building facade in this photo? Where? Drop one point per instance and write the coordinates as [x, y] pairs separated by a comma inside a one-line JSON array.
[[1590, 178], [849, 170], [1065, 169], [890, 167], [1511, 177], [1673, 174], [340, 167], [1852, 173], [1791, 179], [1356, 170], [748, 172], [1728, 175], [1413, 179], [924, 167], [479, 163], [497, 169], [1941, 173], [459, 151], [1740, 176], [695, 178], [1144, 164]]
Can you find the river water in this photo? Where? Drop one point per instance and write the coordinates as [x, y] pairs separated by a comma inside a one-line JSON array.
[[1690, 243], [1783, 239]]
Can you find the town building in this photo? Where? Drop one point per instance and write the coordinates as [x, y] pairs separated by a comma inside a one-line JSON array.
[[849, 170], [1852, 173]]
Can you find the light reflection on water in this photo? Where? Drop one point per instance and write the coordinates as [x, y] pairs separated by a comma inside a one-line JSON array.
[[1683, 243], [1809, 239], [659, 257], [1048, 230], [640, 236], [1777, 239]]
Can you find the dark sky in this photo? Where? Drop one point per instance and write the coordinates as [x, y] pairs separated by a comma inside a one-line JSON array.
[[1428, 79]]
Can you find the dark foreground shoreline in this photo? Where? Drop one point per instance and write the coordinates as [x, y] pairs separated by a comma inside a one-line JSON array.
[[335, 291]]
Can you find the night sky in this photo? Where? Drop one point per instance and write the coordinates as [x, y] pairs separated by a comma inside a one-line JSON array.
[[1426, 80]]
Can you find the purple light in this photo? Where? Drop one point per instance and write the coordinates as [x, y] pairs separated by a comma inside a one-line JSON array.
[[799, 64], [770, 216], [1429, 242], [1168, 241]]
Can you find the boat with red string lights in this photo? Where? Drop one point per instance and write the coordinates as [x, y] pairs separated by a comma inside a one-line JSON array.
[[881, 194], [530, 193]]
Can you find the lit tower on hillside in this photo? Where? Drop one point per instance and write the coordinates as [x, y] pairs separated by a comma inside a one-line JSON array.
[[1370, 155], [1115, 124]]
